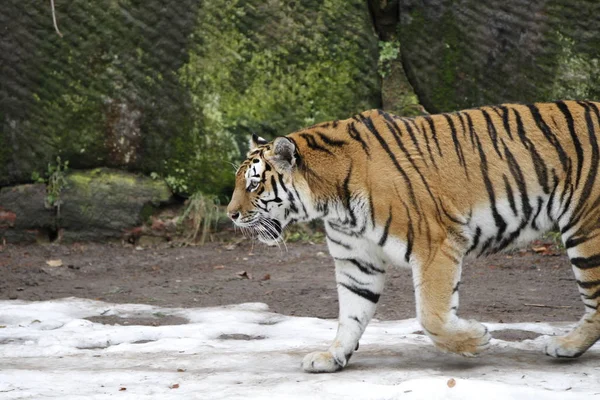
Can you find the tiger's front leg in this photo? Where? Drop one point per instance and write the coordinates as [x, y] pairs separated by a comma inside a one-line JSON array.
[[360, 284]]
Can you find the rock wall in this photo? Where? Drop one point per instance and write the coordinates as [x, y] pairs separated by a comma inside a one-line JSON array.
[[464, 53], [174, 87]]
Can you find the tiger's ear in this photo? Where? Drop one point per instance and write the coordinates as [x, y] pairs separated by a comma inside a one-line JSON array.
[[284, 154], [256, 141]]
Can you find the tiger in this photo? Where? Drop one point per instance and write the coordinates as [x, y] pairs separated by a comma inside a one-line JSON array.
[[426, 192]]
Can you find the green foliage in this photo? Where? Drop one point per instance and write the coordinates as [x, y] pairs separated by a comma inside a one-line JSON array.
[[388, 52], [577, 72], [310, 232], [556, 238], [55, 180], [272, 68]]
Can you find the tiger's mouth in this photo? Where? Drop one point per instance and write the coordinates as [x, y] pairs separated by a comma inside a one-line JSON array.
[[266, 230]]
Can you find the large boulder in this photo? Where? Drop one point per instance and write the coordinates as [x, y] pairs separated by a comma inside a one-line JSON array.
[[464, 53], [24, 216], [90, 205], [107, 203]]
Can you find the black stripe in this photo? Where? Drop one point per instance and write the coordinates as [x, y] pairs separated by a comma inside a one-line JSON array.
[[510, 194], [519, 178], [364, 293], [311, 142], [433, 133], [372, 207], [363, 266], [346, 196], [457, 146], [591, 178], [396, 133], [540, 203], [505, 119], [472, 133], [549, 135], [550, 204], [339, 243], [462, 124], [410, 236], [386, 229], [331, 142], [369, 124], [299, 200], [492, 131], [498, 220], [411, 133], [592, 296], [476, 240], [588, 284], [456, 287], [578, 149], [355, 134], [586, 262], [353, 279], [280, 177], [575, 241], [540, 166], [567, 206], [423, 132]]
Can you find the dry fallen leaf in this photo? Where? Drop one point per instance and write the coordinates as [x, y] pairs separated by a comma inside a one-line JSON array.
[[266, 277], [122, 389], [230, 247], [219, 267], [451, 383], [174, 386], [54, 263], [244, 275], [540, 249], [180, 370]]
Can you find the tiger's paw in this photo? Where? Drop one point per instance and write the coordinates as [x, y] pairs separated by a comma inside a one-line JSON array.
[[563, 347], [318, 362], [469, 340]]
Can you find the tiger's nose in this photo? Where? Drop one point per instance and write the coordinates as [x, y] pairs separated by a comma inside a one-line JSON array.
[[234, 215]]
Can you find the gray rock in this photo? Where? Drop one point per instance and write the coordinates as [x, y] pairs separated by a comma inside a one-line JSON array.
[[23, 214], [95, 204], [108, 203]]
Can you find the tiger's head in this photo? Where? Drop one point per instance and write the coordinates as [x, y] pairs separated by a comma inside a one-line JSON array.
[[267, 194]]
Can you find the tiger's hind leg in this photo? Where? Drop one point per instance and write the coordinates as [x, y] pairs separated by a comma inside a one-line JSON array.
[[436, 288], [584, 253]]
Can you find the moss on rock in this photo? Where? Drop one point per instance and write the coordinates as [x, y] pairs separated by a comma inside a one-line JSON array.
[[107, 202]]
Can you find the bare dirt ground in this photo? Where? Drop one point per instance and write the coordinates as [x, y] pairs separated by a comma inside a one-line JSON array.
[[524, 285]]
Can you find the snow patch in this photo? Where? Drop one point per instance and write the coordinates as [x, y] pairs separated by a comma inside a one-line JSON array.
[[49, 350]]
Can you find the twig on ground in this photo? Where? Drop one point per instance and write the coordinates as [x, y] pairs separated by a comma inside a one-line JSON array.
[[544, 306]]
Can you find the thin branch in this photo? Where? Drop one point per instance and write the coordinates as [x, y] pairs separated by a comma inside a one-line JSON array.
[[545, 306], [54, 19]]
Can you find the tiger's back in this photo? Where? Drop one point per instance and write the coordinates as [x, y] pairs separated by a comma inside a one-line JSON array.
[[427, 191]]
